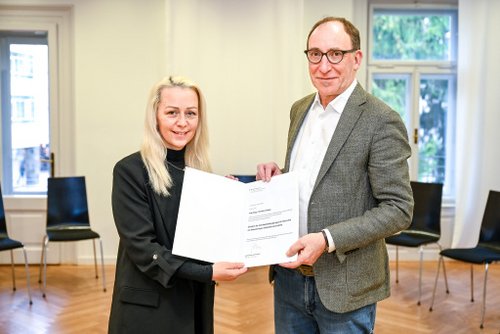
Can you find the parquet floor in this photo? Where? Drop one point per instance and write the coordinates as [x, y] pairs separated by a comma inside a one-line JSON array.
[[75, 302]]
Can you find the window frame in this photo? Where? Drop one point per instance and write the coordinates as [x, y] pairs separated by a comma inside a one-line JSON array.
[[415, 70], [58, 23], [417, 9], [8, 113]]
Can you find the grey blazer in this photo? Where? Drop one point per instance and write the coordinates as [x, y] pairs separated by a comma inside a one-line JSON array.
[[362, 195]]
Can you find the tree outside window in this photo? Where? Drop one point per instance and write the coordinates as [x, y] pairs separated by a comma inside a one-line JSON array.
[[412, 67]]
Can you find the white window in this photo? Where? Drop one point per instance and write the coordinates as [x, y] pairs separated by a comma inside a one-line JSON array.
[[25, 109], [412, 67]]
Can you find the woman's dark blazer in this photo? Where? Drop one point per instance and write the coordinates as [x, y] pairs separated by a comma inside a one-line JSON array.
[[147, 297]]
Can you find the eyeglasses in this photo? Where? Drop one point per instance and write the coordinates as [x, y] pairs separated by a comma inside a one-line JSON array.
[[334, 56]]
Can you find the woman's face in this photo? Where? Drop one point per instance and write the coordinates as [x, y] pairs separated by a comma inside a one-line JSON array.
[[177, 116]]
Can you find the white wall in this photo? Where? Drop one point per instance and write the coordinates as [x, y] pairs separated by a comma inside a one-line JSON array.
[[246, 55], [119, 53]]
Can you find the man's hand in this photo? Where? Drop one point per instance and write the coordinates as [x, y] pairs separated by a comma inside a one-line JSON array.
[[309, 248], [227, 271], [266, 171]]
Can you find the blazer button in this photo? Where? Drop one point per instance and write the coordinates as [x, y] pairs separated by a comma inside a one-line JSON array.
[[155, 256]]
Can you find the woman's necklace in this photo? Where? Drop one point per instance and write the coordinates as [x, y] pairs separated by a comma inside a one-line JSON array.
[[178, 168]]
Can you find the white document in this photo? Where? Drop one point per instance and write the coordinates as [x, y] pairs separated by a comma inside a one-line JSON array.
[[225, 220]]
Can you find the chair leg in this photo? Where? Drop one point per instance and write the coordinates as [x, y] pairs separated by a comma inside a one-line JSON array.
[[13, 271], [41, 261], [421, 251], [397, 264], [27, 275], [95, 259], [483, 308], [44, 252], [102, 266], [471, 283], [444, 272], [435, 283]]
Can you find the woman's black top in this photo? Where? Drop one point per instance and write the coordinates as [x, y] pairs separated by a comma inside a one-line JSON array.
[[155, 291]]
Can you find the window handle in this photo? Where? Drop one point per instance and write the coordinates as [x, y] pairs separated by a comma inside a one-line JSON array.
[[415, 136], [52, 163]]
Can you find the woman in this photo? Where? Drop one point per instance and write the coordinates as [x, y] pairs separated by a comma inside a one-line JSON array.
[[156, 291]]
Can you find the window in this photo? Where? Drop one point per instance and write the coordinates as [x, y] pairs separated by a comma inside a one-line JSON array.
[[25, 113], [21, 63], [412, 67], [22, 109]]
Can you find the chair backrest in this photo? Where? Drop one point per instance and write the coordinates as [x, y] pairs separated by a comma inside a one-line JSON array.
[[3, 222], [490, 226], [67, 202], [427, 209]]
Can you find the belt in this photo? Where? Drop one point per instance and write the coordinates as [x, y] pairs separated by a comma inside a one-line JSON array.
[[305, 270]]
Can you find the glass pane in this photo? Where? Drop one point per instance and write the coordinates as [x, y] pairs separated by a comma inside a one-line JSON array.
[[393, 90], [434, 108], [29, 131], [412, 35]]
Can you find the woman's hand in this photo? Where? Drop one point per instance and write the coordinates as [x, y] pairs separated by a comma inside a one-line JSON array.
[[227, 271]]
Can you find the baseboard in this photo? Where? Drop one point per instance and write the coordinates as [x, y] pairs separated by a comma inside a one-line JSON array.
[[430, 253]]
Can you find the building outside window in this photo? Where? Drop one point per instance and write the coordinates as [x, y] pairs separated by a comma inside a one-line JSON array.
[[25, 115]]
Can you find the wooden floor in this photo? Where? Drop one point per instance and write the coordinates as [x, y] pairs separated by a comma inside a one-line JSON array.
[[75, 302]]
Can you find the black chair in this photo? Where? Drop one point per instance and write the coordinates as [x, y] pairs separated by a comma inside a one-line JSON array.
[[68, 219], [425, 227], [486, 251], [7, 243], [245, 178]]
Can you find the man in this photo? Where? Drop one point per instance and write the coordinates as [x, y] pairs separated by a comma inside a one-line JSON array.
[[350, 151]]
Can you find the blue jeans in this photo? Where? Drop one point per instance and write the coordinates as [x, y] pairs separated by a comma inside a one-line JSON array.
[[298, 309]]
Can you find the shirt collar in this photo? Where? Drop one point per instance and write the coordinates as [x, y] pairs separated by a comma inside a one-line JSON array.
[[338, 104]]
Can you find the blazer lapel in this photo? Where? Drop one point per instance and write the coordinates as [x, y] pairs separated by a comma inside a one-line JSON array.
[[347, 121]]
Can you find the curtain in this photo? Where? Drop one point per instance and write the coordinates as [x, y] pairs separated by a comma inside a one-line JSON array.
[[478, 116]]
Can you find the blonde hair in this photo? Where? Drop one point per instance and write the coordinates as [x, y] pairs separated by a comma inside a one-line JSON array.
[[153, 148]]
